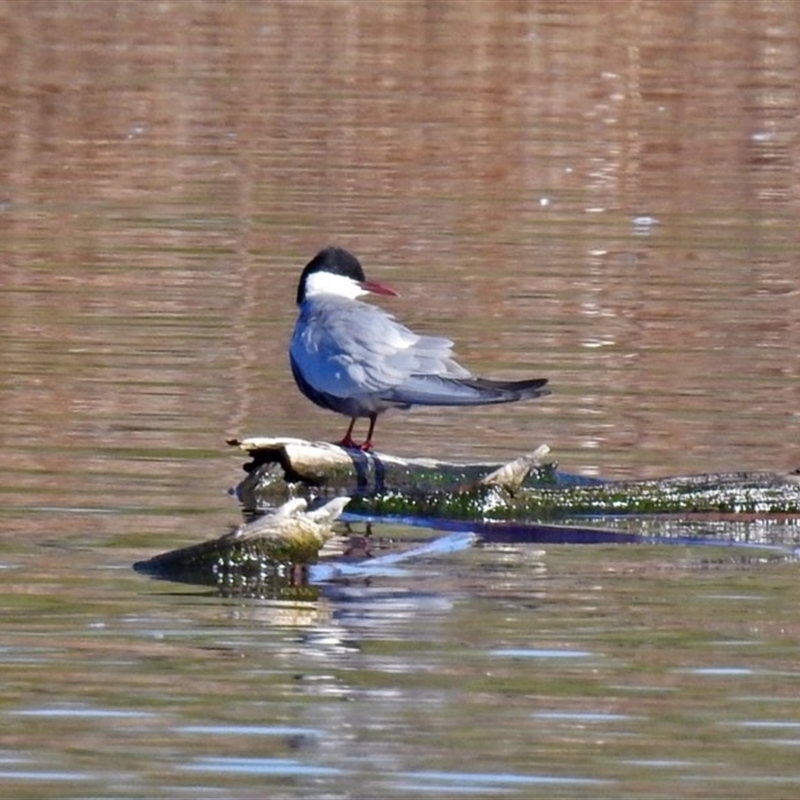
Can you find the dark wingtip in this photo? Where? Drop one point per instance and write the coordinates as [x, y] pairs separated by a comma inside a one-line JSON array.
[[533, 387], [528, 390]]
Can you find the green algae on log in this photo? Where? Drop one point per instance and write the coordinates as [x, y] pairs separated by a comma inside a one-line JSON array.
[[752, 494], [523, 489], [273, 547]]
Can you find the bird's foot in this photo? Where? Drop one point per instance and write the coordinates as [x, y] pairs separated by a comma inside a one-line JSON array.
[[351, 444], [347, 440]]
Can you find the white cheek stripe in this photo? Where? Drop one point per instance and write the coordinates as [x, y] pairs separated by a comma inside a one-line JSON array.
[[328, 283]]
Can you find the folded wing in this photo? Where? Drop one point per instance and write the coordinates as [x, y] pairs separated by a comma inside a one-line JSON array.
[[349, 350]]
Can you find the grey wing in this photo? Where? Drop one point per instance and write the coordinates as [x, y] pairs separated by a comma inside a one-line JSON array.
[[355, 349]]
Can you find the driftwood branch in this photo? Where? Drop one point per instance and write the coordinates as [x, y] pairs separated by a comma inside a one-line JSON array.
[[523, 489], [273, 554], [283, 460], [269, 547]]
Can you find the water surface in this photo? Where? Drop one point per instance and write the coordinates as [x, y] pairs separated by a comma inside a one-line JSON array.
[[600, 193]]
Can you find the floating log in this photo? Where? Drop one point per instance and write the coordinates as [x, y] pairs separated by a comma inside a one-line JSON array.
[[281, 461], [275, 555], [524, 489]]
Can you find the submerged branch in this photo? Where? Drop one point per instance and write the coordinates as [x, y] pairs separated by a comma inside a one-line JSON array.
[[269, 547]]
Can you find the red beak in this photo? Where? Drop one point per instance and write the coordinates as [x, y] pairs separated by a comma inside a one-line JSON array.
[[377, 288]]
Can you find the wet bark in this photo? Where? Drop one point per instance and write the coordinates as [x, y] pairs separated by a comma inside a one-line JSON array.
[[526, 488]]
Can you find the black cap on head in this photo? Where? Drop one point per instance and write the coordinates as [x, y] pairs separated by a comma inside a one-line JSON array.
[[331, 259]]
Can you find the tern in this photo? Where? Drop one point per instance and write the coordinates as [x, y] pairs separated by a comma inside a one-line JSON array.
[[355, 359]]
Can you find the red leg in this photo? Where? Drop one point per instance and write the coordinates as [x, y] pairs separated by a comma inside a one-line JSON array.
[[366, 446], [347, 441]]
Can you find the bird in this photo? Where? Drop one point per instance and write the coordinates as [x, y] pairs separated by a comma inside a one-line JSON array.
[[356, 359]]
